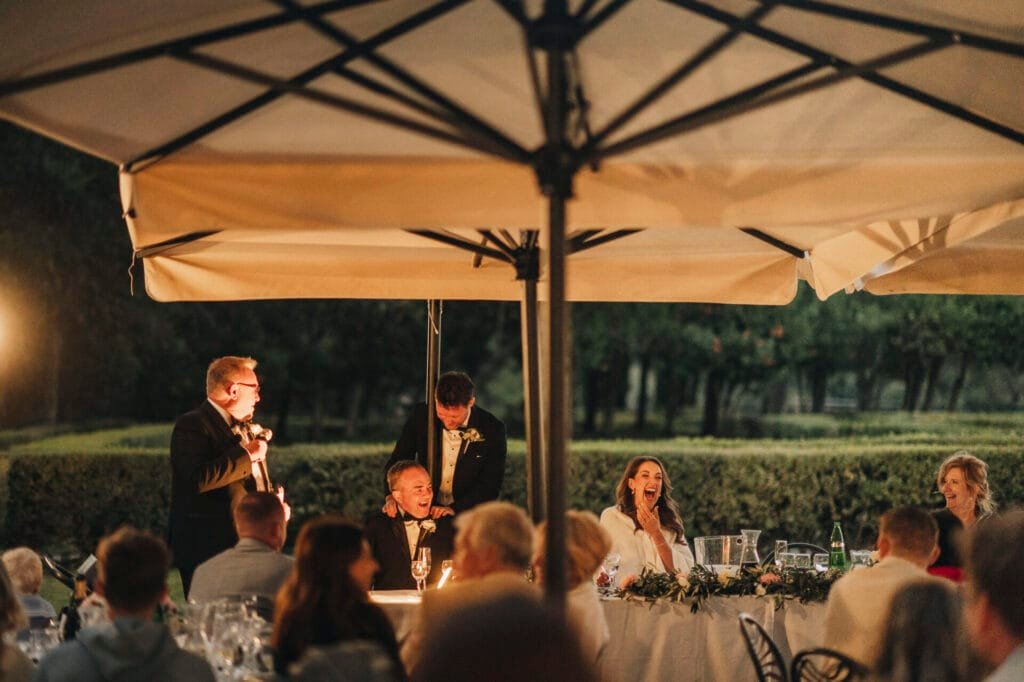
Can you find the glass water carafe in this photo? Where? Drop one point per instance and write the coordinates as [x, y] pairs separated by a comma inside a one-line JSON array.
[[749, 558]]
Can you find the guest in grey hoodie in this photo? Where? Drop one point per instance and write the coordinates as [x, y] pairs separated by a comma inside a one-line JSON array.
[[132, 577]]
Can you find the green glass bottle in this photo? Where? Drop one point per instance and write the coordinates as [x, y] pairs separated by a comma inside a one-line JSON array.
[[837, 549]]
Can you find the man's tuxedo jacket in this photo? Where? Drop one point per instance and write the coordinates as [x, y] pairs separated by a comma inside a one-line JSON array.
[[480, 467], [209, 468], [391, 550]]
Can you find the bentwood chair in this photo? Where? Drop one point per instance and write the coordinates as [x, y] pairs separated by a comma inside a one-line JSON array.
[[768, 662], [826, 665]]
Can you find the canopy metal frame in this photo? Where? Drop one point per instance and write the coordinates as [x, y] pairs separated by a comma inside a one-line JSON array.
[[550, 42]]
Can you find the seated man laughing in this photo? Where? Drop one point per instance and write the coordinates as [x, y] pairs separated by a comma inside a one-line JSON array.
[[395, 541]]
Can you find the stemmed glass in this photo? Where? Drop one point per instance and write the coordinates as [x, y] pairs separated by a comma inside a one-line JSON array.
[[421, 568], [781, 547], [611, 567]]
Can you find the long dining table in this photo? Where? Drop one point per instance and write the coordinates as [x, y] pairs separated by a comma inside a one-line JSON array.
[[664, 641]]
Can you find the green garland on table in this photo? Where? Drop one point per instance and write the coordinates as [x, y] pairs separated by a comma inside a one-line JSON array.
[[704, 582]]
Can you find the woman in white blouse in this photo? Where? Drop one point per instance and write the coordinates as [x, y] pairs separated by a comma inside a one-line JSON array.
[[644, 525]]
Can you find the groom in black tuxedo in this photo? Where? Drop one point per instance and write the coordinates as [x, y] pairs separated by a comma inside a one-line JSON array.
[[396, 540], [471, 447], [209, 465]]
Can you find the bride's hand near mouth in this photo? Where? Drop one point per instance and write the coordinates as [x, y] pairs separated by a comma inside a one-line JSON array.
[[648, 519]]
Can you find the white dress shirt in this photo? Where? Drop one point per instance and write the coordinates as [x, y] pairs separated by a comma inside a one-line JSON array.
[[412, 534], [636, 548], [451, 446]]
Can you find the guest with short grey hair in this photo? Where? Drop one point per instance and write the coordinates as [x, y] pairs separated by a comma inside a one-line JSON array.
[[493, 547], [26, 571]]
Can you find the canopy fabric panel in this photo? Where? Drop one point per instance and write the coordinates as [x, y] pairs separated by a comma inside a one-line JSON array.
[[863, 133], [692, 265]]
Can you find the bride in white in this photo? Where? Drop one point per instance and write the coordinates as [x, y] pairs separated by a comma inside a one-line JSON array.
[[644, 525]]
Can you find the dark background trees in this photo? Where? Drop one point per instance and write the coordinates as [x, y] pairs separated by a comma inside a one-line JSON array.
[[76, 344]]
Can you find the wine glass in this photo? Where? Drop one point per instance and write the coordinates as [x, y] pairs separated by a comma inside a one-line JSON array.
[[611, 567], [420, 570], [781, 547], [421, 567]]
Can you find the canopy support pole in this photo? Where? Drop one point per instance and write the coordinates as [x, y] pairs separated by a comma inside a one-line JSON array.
[[535, 489], [434, 310], [556, 34]]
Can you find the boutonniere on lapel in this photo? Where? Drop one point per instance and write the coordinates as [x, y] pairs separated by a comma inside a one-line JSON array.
[[427, 526], [471, 436]]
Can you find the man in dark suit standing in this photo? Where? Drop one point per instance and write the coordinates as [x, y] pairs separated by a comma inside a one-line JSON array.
[[209, 465], [471, 445], [396, 540]]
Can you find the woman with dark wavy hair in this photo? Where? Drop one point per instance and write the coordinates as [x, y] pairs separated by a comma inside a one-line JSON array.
[[644, 524], [325, 599]]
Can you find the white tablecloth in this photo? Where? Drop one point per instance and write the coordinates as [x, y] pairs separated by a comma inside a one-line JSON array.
[[664, 642]]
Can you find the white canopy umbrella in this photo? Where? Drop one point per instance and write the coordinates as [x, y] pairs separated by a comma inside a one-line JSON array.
[[286, 148]]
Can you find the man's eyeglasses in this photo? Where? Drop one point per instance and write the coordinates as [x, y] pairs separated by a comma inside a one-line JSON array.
[[255, 387]]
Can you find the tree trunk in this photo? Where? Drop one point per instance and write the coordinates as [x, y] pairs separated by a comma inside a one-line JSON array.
[[800, 405], [775, 397], [283, 412], [672, 394], [934, 371], [958, 383], [689, 386], [355, 401], [590, 394], [607, 401], [866, 379], [912, 387], [712, 392], [316, 396], [51, 392], [819, 389], [641, 401]]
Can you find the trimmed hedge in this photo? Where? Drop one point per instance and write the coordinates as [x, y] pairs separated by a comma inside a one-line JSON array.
[[63, 503]]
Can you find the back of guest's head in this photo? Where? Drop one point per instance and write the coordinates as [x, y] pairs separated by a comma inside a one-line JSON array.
[[586, 545], [12, 616], [510, 638], [975, 473], [320, 590], [325, 549], [399, 468], [923, 639], [133, 567], [220, 371], [500, 527], [258, 510], [454, 389], [995, 549], [25, 569], [910, 530]]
